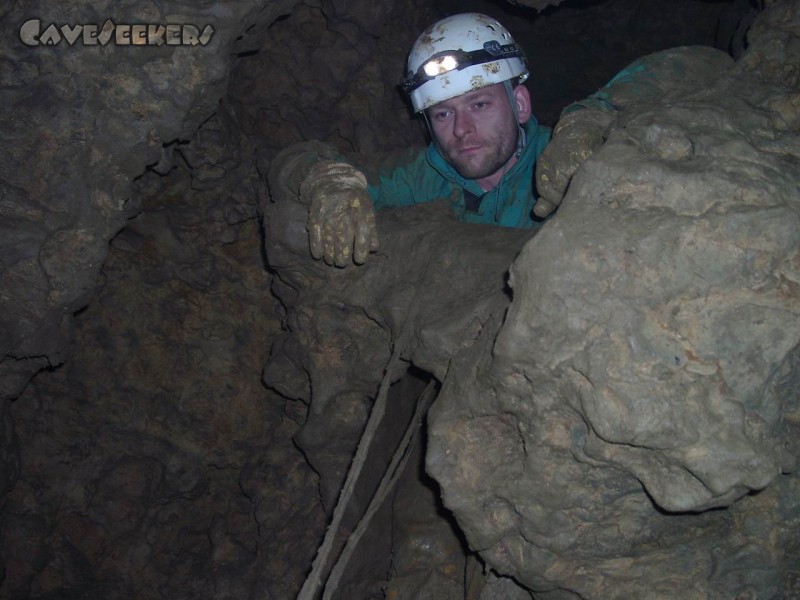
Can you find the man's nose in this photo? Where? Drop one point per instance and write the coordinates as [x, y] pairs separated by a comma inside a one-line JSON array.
[[463, 124]]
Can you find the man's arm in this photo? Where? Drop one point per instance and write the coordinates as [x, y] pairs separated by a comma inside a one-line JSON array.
[[584, 125]]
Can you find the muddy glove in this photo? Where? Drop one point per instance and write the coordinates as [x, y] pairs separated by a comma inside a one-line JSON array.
[[575, 138], [341, 219]]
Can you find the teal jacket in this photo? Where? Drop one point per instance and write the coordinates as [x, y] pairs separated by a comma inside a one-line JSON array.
[[427, 176]]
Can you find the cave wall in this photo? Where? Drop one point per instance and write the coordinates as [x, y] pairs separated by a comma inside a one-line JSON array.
[[81, 122], [130, 180], [104, 131]]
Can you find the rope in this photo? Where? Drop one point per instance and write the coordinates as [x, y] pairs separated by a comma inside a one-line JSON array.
[[315, 580], [390, 477]]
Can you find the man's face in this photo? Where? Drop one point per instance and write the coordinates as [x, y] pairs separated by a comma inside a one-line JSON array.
[[477, 132]]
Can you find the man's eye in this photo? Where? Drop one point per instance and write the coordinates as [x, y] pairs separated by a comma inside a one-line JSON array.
[[441, 114], [480, 105]]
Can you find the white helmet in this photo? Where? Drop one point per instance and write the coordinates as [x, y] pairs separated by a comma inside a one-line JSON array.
[[460, 54]]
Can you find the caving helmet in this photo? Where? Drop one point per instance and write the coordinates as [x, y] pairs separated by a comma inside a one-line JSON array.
[[459, 54]]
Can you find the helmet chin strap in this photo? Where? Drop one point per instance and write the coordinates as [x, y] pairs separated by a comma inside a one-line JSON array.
[[522, 137], [432, 133]]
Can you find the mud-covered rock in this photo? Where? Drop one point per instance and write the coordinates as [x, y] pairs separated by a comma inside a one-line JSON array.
[[154, 464], [343, 325], [646, 372]]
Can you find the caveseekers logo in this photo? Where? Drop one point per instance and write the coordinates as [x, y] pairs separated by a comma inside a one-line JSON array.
[[32, 34]]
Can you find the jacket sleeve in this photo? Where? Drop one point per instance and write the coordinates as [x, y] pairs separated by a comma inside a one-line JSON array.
[[400, 178], [291, 166], [667, 73]]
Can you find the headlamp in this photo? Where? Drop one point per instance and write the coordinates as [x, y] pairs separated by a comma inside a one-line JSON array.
[[439, 65], [455, 60]]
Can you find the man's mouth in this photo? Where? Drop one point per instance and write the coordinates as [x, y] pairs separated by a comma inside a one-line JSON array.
[[468, 149]]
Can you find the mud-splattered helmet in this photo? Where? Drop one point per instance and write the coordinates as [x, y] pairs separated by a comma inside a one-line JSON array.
[[460, 54]]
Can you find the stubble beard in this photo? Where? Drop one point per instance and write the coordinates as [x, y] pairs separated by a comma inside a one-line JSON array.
[[496, 151]]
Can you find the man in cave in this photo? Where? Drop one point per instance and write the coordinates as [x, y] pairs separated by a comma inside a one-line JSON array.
[[465, 77], [488, 154]]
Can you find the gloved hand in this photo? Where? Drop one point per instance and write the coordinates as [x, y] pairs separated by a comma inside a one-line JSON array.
[[575, 138], [341, 218]]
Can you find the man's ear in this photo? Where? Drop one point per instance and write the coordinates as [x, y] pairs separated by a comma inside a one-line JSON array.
[[523, 97]]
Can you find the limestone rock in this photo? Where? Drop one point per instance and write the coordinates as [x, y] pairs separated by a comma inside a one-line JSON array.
[[647, 370], [152, 456]]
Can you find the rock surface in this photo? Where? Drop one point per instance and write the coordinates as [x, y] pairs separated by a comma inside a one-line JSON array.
[[153, 464], [629, 427], [423, 298], [647, 368], [84, 121]]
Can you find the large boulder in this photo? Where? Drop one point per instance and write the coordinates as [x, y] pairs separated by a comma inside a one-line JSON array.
[[632, 431]]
